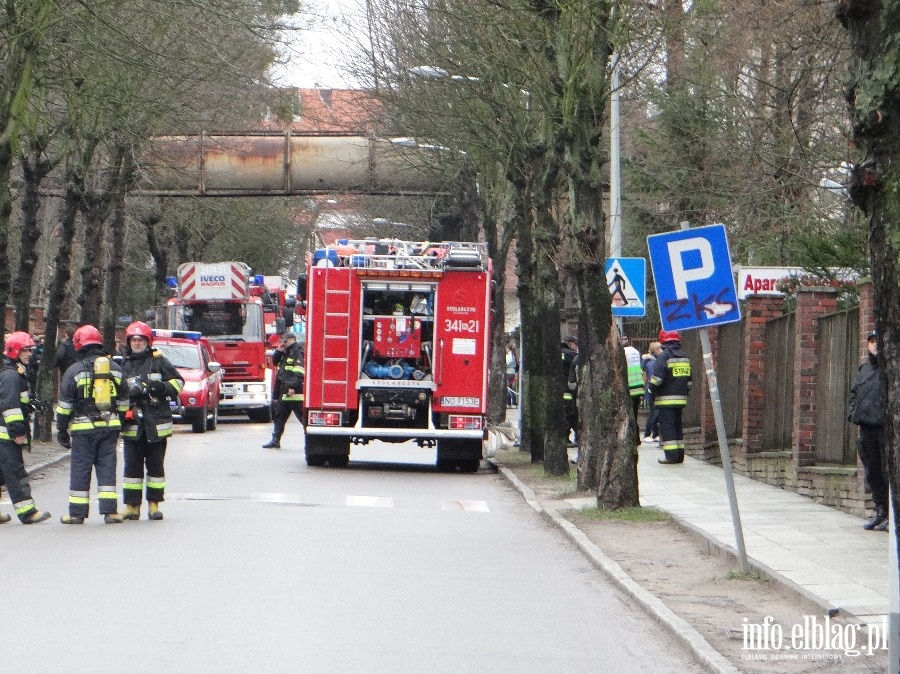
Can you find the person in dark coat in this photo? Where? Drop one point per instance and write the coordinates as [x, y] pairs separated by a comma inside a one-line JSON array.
[[65, 352], [569, 352], [868, 410]]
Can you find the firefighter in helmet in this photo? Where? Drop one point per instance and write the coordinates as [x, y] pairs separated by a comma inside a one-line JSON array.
[[288, 357], [91, 398], [16, 405], [669, 386], [150, 381]]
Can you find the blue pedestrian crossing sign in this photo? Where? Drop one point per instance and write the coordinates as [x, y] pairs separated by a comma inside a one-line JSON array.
[[627, 281], [694, 282]]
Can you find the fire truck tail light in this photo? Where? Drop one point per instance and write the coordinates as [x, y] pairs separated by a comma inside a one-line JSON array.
[[324, 418], [460, 422]]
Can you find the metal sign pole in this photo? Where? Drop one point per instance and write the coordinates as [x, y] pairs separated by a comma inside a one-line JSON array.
[[723, 448]]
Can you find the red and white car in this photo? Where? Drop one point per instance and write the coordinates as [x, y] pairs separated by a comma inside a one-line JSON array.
[[198, 403]]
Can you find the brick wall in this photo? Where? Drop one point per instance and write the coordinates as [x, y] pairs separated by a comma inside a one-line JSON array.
[[792, 468]]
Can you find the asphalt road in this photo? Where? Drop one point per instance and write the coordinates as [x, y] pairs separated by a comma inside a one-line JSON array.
[[263, 564]]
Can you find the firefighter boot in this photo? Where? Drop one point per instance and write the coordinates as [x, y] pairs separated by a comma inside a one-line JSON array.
[[36, 516], [881, 527], [113, 518], [880, 518], [132, 512], [71, 519], [153, 511], [272, 444]]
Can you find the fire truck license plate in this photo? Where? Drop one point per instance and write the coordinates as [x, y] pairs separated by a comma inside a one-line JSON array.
[[229, 390], [457, 401]]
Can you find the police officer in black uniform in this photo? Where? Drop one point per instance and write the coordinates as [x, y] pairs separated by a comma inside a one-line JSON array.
[[288, 357]]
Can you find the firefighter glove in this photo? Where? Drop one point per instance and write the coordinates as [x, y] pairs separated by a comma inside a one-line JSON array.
[[157, 387], [62, 437], [136, 392]]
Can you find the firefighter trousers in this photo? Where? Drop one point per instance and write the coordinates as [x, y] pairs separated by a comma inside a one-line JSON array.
[[671, 435], [95, 449], [282, 412], [138, 454], [12, 468]]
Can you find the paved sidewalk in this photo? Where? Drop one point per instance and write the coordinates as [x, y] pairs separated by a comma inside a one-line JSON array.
[[819, 551]]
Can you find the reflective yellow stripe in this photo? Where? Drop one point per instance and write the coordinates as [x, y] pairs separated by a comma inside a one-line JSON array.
[[79, 500], [136, 487], [670, 401], [155, 485]]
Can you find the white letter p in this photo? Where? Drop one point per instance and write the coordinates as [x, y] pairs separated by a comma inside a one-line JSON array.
[[682, 276]]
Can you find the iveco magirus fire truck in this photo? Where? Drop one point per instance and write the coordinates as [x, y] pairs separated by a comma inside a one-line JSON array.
[[397, 348], [216, 300]]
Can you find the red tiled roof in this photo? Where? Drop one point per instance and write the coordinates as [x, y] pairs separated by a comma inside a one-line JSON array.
[[337, 111]]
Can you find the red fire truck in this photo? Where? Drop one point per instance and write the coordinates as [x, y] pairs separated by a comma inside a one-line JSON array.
[[216, 300], [278, 307], [397, 348]]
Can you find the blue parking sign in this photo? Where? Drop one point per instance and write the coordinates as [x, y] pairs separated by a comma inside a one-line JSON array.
[[694, 282]]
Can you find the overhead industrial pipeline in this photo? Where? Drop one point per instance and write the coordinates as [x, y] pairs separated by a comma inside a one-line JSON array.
[[260, 164]]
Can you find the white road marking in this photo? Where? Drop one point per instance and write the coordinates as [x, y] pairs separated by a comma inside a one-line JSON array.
[[370, 501], [468, 506]]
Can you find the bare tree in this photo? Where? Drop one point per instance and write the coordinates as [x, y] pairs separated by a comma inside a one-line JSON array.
[[874, 98]]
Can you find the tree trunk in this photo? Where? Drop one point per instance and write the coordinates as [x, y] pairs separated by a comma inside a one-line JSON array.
[[6, 158], [874, 186], [35, 168], [57, 292], [116, 245]]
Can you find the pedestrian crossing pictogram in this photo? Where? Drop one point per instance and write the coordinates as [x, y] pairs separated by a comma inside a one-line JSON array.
[[627, 281]]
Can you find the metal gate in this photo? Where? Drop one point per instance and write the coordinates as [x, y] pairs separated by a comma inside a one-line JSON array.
[[838, 362]]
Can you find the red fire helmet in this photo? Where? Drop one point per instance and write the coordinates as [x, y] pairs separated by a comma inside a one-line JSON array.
[[668, 336], [15, 342], [86, 334], [139, 329]]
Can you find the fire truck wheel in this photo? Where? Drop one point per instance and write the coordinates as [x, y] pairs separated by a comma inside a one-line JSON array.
[[325, 450], [462, 455]]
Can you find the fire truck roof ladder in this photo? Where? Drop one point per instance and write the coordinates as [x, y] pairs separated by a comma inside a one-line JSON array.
[[336, 327]]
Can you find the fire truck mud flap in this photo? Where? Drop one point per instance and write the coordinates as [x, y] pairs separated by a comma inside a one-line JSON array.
[[459, 454], [324, 450]]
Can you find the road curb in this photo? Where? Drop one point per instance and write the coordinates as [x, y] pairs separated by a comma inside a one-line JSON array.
[[708, 656], [62, 456]]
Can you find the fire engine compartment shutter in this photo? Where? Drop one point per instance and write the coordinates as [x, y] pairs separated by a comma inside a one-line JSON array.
[[461, 342]]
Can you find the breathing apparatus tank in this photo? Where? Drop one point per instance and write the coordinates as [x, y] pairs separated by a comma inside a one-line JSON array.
[[103, 385]]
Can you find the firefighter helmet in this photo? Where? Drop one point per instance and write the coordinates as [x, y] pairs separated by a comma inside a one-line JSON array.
[[86, 334], [139, 329], [15, 342], [668, 336]]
